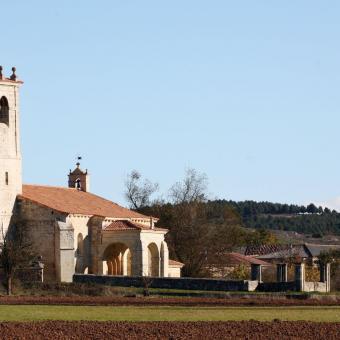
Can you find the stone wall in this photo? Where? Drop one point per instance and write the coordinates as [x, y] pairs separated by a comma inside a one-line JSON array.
[[315, 287], [39, 228], [168, 283], [174, 271], [276, 286], [81, 244]]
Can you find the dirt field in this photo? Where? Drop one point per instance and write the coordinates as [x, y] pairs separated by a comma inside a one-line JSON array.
[[170, 330], [166, 301]]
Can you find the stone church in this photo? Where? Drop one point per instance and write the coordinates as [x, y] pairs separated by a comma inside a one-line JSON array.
[[73, 230]]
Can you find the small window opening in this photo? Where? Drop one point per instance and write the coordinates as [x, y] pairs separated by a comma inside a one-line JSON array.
[[6, 178], [78, 184], [4, 111]]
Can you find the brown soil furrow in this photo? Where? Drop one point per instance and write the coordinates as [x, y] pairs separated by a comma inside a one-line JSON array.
[[169, 330]]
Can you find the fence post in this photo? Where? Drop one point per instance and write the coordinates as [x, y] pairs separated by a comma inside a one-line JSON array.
[[300, 276], [325, 275]]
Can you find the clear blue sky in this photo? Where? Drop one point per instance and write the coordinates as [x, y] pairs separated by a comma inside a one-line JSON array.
[[246, 91]]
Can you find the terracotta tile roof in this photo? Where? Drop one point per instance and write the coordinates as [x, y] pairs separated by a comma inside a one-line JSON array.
[[128, 225], [174, 263], [278, 251], [265, 249], [237, 259], [121, 225], [73, 201]]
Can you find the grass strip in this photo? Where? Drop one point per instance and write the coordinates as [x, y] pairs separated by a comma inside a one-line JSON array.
[[165, 313]]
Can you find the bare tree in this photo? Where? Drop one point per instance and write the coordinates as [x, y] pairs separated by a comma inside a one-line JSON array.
[[199, 241], [137, 191], [191, 189], [15, 253]]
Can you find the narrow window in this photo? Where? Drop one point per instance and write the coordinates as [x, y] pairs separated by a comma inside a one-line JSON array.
[[4, 111], [6, 178]]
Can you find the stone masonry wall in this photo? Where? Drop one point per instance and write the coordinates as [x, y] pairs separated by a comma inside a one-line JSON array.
[[167, 282], [39, 225]]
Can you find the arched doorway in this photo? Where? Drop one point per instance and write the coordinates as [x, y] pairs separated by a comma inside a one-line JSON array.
[[153, 260], [118, 259]]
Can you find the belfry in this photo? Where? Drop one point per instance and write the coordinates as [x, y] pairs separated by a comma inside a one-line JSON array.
[[10, 154]]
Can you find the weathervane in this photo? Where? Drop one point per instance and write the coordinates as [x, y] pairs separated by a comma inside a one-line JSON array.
[[79, 158]]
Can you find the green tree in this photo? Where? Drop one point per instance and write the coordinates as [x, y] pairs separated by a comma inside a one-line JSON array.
[[15, 253]]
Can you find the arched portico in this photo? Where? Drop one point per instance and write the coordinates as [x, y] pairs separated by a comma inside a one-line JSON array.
[[117, 259]]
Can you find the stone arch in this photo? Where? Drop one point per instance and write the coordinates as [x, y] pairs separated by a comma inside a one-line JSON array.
[[153, 260], [4, 110], [117, 258]]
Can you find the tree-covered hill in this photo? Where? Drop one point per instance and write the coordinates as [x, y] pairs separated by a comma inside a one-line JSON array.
[[303, 219]]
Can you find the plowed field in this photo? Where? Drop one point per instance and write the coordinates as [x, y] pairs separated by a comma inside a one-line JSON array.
[[170, 330]]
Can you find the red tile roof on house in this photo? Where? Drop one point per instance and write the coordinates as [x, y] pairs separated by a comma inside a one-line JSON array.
[[73, 201], [128, 225], [238, 259], [265, 249], [174, 263]]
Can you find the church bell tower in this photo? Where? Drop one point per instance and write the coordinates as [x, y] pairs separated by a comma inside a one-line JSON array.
[[79, 179], [10, 154]]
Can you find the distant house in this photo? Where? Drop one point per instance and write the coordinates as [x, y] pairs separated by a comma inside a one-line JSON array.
[[306, 252], [233, 261]]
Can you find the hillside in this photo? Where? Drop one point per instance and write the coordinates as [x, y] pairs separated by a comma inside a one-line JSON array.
[[311, 220]]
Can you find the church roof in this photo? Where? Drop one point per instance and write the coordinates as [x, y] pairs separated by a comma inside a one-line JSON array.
[[173, 263], [128, 225], [73, 201]]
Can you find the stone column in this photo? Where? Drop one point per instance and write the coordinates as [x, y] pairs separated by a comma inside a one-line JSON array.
[[109, 268], [100, 268], [282, 272], [120, 264], [124, 262], [300, 276], [140, 260], [256, 272], [325, 275], [95, 228], [164, 260], [115, 266], [64, 251]]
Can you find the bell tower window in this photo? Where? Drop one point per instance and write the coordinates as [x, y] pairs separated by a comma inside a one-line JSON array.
[[78, 184], [4, 111], [6, 178]]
